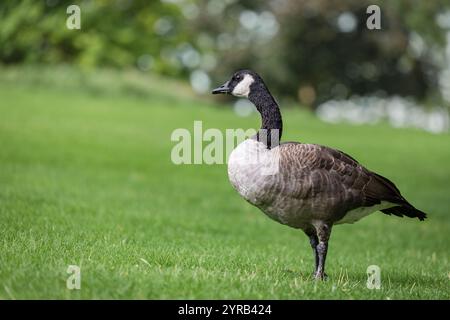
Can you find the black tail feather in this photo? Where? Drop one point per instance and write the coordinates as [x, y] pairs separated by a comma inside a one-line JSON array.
[[408, 211]]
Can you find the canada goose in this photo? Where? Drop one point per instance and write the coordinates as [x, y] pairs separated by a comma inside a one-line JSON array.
[[313, 187]]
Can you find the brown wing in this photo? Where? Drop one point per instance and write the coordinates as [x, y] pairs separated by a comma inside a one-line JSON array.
[[383, 189], [338, 178]]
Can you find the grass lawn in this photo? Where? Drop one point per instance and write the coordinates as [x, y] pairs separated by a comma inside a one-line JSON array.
[[86, 179]]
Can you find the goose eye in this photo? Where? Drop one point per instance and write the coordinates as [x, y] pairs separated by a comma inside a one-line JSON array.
[[238, 77]]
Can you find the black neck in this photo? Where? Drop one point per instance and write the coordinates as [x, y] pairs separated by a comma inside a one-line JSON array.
[[271, 122]]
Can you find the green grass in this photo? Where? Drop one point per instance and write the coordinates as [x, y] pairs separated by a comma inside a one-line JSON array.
[[86, 179]]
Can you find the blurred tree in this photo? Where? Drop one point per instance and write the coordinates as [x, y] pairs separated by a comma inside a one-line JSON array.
[[326, 46], [307, 50], [113, 33], [324, 50]]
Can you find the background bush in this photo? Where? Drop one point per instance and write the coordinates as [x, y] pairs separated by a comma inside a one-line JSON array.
[[308, 50]]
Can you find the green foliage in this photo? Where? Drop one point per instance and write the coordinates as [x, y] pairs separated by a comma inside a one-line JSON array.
[[86, 179], [112, 33], [297, 45]]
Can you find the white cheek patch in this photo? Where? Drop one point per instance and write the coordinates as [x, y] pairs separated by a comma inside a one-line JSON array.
[[242, 89]]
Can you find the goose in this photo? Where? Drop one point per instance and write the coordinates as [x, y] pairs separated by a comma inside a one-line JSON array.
[[304, 186]]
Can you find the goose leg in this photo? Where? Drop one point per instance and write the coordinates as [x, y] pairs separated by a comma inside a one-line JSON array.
[[323, 234], [314, 241]]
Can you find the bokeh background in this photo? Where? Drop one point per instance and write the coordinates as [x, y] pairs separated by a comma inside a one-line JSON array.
[[315, 54], [86, 118]]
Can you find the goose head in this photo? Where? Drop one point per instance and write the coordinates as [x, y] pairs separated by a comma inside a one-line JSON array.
[[248, 84], [243, 83]]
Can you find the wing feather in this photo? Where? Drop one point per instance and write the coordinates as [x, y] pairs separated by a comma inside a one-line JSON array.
[[335, 174]]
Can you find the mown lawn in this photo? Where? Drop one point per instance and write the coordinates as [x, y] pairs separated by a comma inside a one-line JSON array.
[[86, 179]]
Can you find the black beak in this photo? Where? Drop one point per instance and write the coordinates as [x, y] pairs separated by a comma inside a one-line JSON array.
[[222, 89]]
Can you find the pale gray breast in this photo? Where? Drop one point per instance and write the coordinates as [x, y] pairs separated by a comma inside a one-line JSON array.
[[246, 166], [249, 171]]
